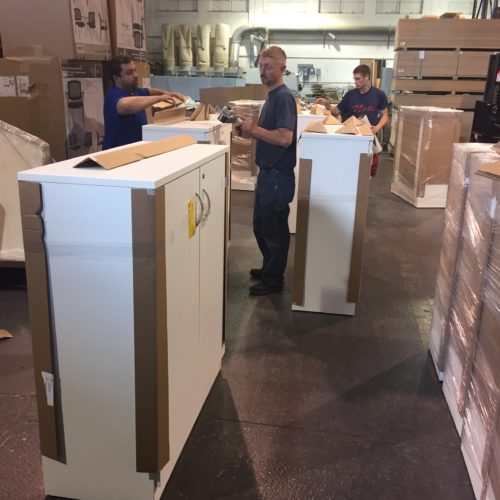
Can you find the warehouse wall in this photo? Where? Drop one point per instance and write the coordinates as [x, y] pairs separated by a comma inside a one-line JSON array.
[[333, 59]]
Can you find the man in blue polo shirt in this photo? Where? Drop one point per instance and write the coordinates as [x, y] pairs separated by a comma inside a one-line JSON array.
[[125, 104], [276, 139], [363, 100]]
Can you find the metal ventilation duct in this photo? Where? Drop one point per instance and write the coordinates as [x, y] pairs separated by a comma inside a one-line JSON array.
[[362, 35]]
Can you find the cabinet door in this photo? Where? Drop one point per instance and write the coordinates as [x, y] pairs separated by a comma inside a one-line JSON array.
[[182, 267], [212, 255]]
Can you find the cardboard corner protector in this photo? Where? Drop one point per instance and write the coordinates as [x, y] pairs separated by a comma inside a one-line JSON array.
[[118, 157]]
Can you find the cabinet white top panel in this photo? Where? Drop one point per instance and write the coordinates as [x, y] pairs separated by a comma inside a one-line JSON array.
[[149, 173], [331, 135], [185, 126]]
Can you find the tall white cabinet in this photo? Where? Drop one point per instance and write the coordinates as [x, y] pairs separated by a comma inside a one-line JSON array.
[[125, 272], [331, 218]]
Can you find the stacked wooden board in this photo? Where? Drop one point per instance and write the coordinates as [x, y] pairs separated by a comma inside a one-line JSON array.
[[443, 63]]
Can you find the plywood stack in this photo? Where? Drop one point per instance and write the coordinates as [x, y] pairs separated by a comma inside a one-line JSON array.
[[444, 63]]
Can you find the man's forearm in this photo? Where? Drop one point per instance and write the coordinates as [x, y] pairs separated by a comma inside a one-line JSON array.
[[278, 137], [135, 104]]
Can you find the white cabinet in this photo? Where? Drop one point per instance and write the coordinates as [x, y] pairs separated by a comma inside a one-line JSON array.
[[303, 119], [126, 305], [331, 217], [209, 131]]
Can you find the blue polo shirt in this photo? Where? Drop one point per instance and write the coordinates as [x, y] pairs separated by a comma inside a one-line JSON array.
[[122, 129], [279, 111], [354, 103]]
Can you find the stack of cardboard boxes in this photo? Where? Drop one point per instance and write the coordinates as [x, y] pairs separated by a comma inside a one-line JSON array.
[[443, 62], [51, 77], [465, 345], [246, 102]]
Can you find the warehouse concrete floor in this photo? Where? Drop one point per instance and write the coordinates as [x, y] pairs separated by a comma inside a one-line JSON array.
[[307, 406]]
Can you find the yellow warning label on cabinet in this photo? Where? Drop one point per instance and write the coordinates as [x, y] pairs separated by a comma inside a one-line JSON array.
[[191, 218]]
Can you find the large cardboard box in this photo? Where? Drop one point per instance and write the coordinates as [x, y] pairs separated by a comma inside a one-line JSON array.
[[128, 31], [60, 103], [69, 29], [83, 103], [423, 154]]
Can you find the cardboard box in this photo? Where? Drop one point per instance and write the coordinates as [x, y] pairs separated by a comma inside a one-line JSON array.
[[69, 29], [84, 101], [448, 34], [423, 153], [128, 30], [60, 103]]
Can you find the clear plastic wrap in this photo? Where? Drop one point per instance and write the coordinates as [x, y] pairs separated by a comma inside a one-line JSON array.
[[20, 151], [466, 159], [243, 167], [482, 401], [465, 302], [423, 153]]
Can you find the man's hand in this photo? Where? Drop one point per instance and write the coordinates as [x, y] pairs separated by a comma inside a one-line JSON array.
[[247, 128], [173, 97], [324, 102]]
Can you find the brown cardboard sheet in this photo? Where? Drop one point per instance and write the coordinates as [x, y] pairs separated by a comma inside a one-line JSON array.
[[168, 115], [491, 170], [360, 216], [150, 330], [331, 120], [50, 418], [121, 156], [303, 194]]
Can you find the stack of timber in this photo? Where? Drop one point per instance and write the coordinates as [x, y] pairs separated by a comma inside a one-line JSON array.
[[443, 63]]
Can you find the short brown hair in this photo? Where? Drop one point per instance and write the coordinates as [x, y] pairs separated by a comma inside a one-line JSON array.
[[363, 70], [274, 52]]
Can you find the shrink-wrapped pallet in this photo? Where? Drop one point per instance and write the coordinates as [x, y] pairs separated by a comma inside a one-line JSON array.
[[423, 154], [466, 160]]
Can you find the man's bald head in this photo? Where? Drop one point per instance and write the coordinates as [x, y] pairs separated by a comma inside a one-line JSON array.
[[276, 53]]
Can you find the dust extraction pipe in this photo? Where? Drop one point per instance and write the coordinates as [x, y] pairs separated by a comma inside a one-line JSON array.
[[243, 31]]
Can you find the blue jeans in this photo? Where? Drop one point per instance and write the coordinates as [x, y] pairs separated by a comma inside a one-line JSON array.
[[274, 191]]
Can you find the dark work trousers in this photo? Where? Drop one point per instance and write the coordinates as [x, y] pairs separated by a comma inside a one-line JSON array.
[[274, 191]]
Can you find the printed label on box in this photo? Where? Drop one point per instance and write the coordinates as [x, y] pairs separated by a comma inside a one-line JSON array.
[[7, 86], [48, 380], [23, 86]]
